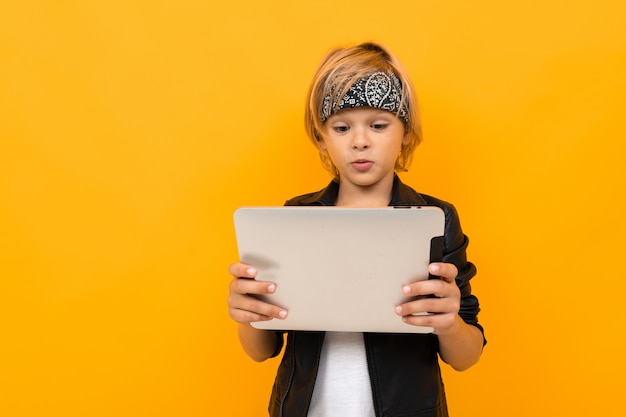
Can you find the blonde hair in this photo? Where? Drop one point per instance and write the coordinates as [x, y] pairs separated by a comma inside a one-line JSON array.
[[339, 70]]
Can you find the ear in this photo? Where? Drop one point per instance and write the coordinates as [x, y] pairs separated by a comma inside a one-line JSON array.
[[321, 145], [406, 139]]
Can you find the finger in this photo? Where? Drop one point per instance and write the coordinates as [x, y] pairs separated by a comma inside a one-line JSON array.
[[247, 317], [439, 322], [241, 270], [428, 304], [251, 286], [244, 308], [431, 288], [445, 271]]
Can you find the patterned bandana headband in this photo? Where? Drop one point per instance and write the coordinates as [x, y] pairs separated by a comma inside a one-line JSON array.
[[380, 90]]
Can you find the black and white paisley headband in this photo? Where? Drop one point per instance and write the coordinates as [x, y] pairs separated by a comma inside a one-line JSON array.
[[380, 90]]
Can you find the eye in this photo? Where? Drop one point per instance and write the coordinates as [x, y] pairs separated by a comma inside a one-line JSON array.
[[379, 126], [341, 128]]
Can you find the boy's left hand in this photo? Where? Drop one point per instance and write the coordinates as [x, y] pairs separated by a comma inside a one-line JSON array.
[[444, 306]]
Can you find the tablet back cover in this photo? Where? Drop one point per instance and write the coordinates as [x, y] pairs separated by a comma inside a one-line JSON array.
[[339, 269]]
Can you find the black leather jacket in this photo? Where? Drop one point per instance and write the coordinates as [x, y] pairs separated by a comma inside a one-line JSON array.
[[403, 368]]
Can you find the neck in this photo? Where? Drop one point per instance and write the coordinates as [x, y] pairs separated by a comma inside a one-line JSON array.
[[370, 196]]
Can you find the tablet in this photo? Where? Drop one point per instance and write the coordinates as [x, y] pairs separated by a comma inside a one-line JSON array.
[[337, 268]]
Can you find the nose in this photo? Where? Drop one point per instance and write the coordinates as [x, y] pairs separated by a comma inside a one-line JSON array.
[[359, 140]]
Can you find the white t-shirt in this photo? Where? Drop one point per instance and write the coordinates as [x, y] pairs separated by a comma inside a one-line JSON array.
[[342, 387]]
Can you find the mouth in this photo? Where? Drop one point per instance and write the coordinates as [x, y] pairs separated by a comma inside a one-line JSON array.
[[362, 164]]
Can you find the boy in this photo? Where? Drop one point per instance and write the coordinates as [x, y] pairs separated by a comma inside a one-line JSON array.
[[362, 117]]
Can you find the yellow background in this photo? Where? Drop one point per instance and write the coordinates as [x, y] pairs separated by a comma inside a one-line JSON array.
[[131, 130]]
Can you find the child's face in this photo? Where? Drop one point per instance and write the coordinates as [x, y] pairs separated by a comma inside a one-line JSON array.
[[363, 143]]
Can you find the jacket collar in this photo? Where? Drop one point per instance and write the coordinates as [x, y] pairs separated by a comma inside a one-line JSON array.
[[401, 195]]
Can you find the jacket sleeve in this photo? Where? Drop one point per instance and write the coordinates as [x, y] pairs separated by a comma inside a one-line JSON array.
[[280, 340], [455, 245]]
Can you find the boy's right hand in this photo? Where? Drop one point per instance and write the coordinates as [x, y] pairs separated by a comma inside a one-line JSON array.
[[242, 306]]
